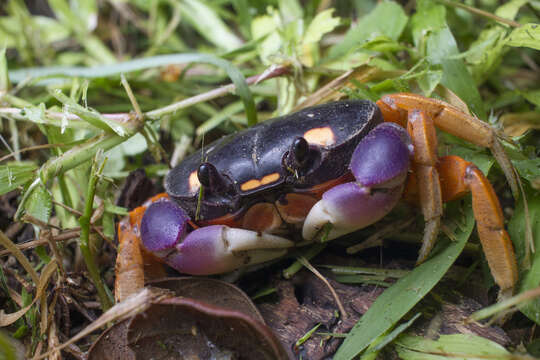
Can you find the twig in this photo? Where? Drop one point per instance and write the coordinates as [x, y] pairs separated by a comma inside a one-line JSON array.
[[28, 287], [297, 265], [130, 95], [67, 235], [273, 71], [97, 229], [47, 235], [30, 148], [39, 223], [480, 12], [306, 263], [18, 114], [504, 305]]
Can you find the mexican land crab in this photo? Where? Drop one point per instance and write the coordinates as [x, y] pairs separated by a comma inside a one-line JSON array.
[[343, 164]]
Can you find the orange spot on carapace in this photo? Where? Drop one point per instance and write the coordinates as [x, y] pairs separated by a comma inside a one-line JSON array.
[[323, 136], [193, 181], [255, 183], [250, 185], [268, 179]]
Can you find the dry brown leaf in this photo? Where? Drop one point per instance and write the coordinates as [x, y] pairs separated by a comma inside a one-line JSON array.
[[131, 306], [42, 282], [14, 250], [517, 124]]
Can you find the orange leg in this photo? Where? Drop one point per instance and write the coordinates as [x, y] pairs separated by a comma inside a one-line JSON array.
[[451, 120], [424, 139], [132, 262], [456, 175], [463, 176]]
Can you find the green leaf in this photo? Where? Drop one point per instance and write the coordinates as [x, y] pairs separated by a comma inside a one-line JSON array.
[[87, 12], [527, 35], [510, 9], [429, 80], [390, 337], [400, 298], [441, 49], [91, 116], [265, 27], [528, 169], [118, 156], [50, 30], [429, 17], [4, 75], [484, 49], [533, 348], [455, 346], [39, 204], [209, 24], [532, 96], [516, 229], [486, 53], [63, 12], [243, 16], [81, 18], [7, 350], [383, 44], [387, 19], [290, 10], [16, 174], [218, 118], [323, 23]]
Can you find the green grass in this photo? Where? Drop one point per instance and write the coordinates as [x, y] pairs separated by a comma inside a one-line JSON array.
[[84, 83]]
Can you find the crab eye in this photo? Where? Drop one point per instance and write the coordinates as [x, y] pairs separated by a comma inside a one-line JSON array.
[[212, 180], [300, 149], [204, 173]]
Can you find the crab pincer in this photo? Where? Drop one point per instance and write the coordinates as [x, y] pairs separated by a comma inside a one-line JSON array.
[[380, 164], [207, 250]]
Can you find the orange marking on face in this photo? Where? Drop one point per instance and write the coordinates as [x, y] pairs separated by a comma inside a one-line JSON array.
[[318, 190], [295, 207], [262, 217], [231, 220], [193, 181], [255, 183], [323, 136]]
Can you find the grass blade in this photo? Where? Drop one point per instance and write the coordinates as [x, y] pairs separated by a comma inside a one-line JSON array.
[[58, 72], [399, 299]]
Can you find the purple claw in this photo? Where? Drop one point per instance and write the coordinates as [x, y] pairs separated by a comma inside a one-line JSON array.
[[198, 254], [163, 225], [208, 250], [382, 157], [380, 164], [359, 206], [349, 207], [218, 249]]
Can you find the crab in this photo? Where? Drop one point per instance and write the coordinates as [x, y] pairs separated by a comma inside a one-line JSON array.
[[324, 171]]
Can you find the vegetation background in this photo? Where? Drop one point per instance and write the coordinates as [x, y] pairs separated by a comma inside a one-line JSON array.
[[93, 89]]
